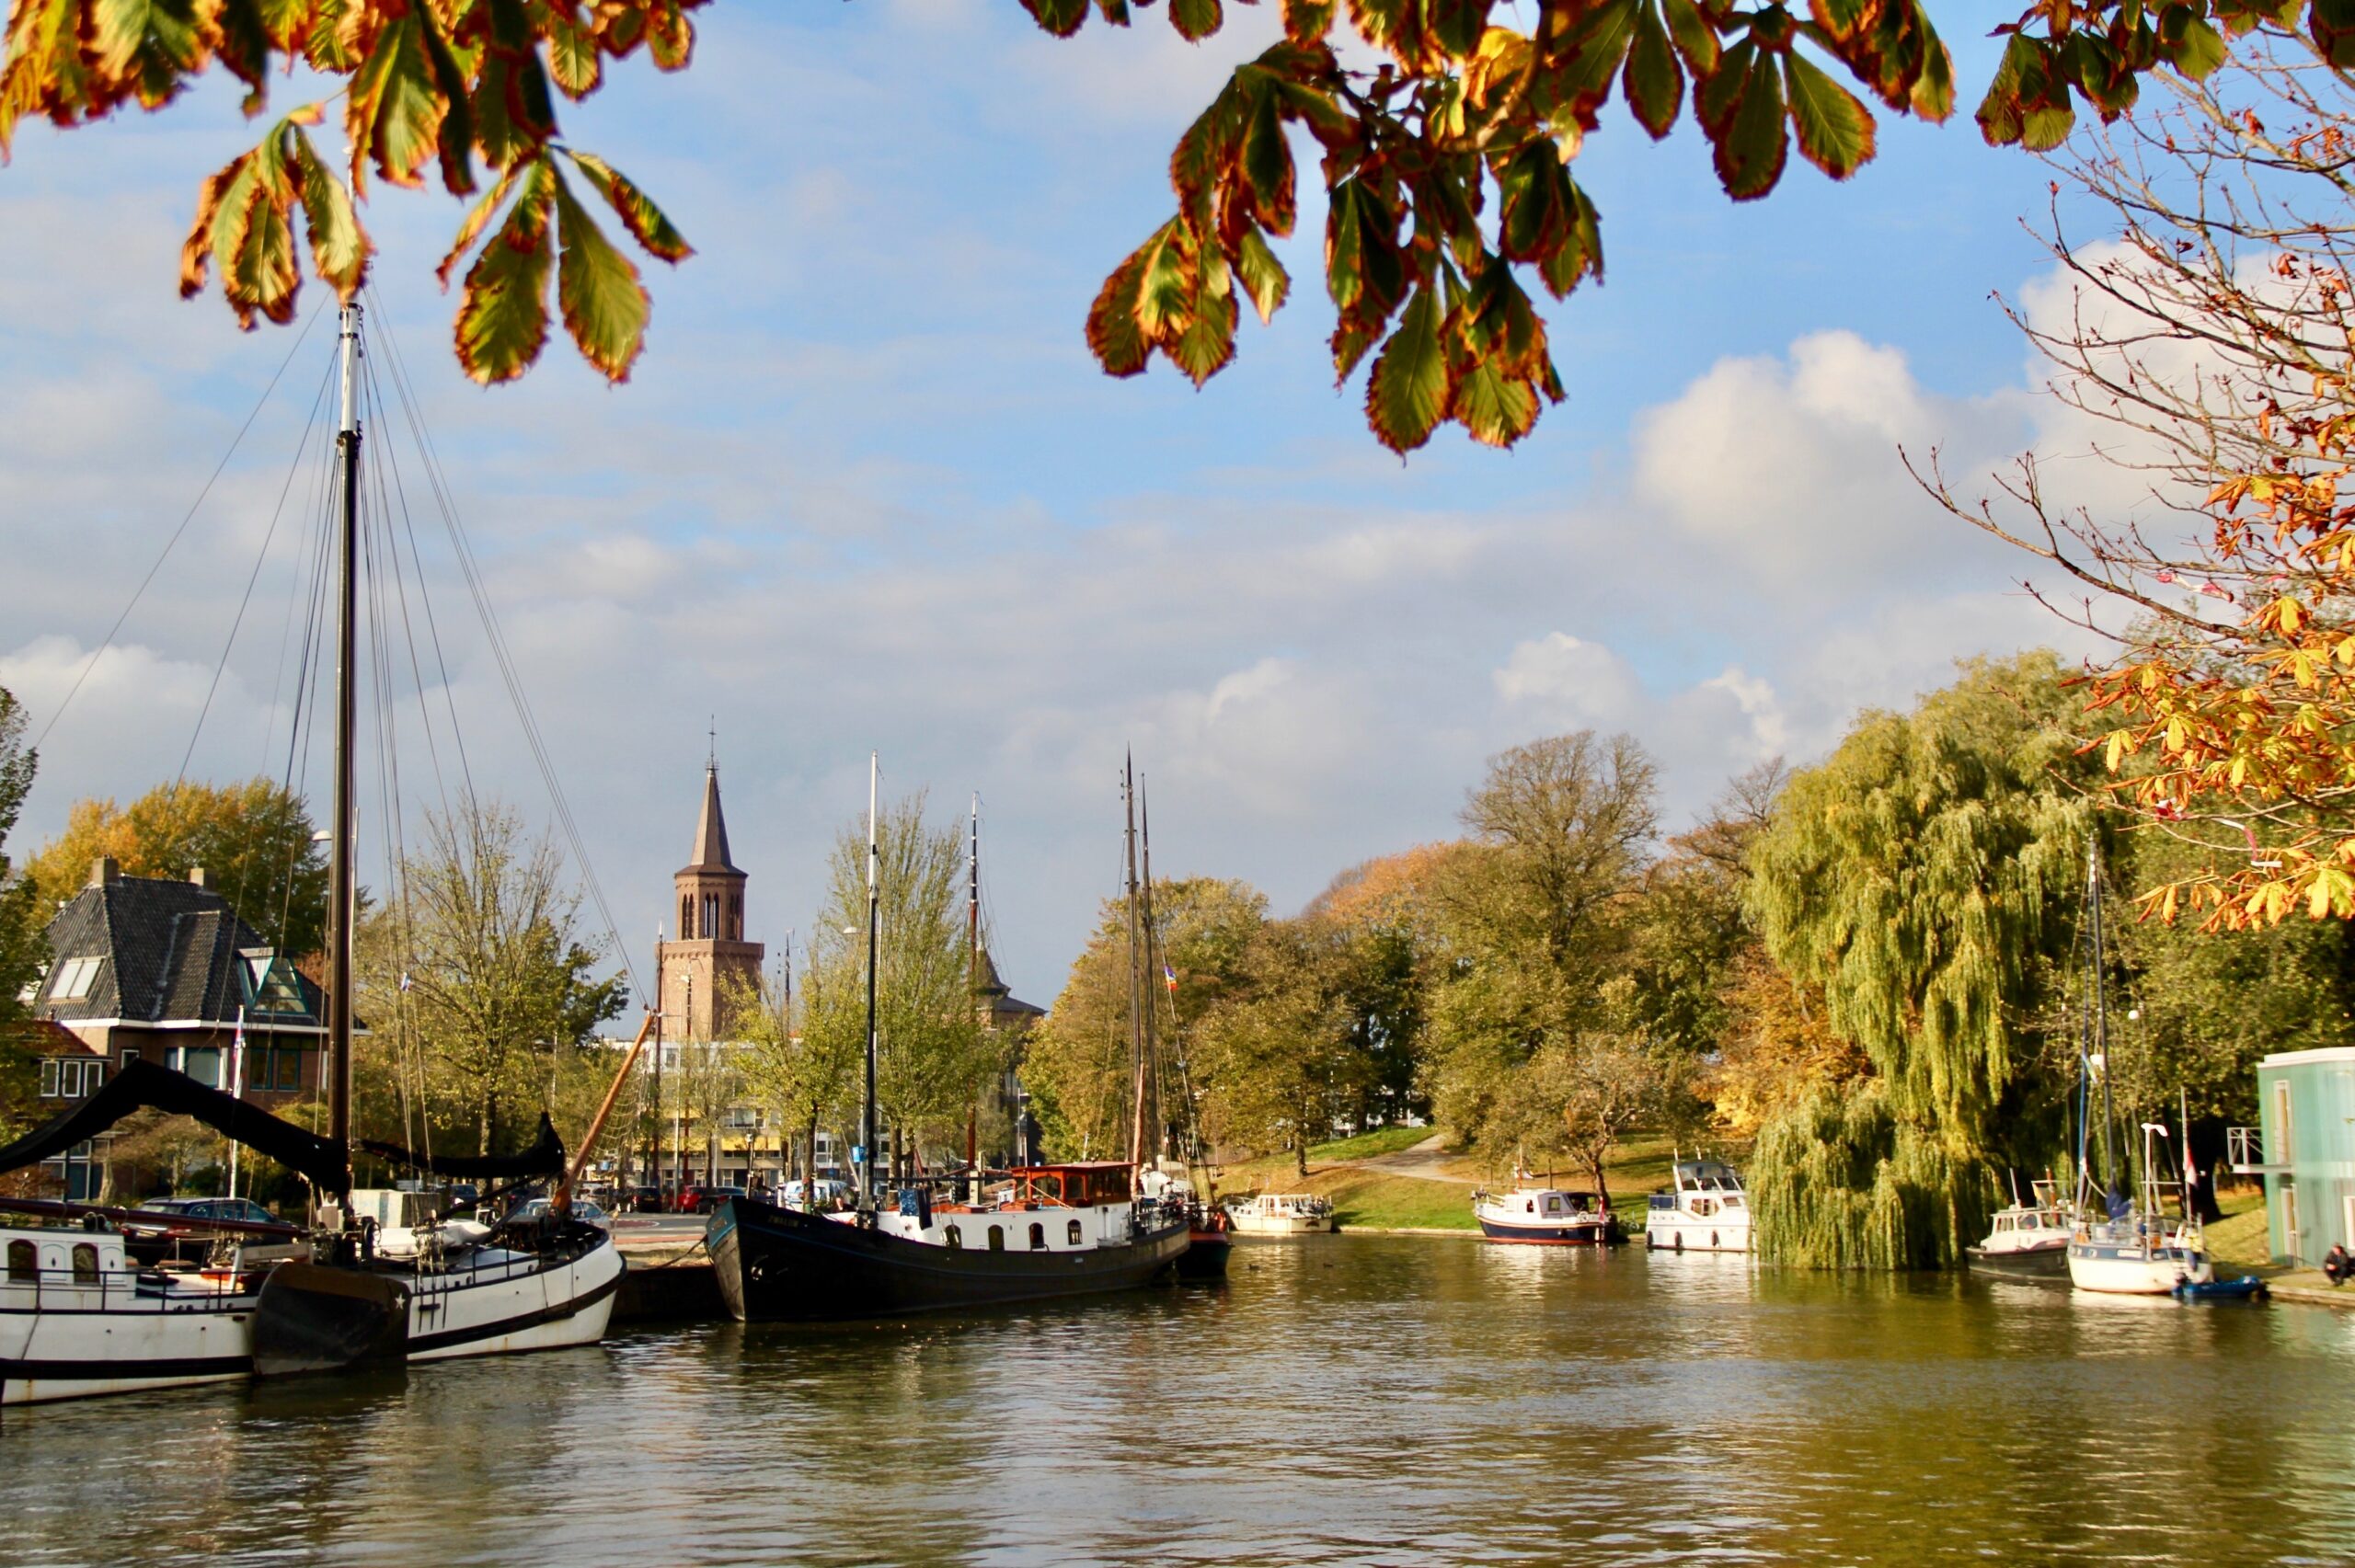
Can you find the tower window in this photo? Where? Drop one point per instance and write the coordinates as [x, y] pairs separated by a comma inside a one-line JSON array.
[[711, 915], [735, 917], [686, 918]]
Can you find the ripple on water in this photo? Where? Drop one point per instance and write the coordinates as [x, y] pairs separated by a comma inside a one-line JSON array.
[[1352, 1400]]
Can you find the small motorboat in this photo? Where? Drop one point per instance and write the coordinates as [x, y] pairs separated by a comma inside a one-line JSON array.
[[2028, 1240], [2248, 1287], [1547, 1215], [1283, 1214], [1704, 1210]]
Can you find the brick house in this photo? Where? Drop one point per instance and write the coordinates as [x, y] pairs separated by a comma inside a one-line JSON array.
[[159, 969]]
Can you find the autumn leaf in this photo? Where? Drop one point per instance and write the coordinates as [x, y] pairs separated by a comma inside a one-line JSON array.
[[1836, 130], [503, 312], [1751, 149], [638, 212], [1262, 275], [1408, 391], [1655, 83], [604, 304]]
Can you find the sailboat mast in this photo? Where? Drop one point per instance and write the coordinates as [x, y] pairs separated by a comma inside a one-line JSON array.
[[342, 850], [2101, 1011], [973, 898], [874, 911], [1152, 1076], [1136, 974]]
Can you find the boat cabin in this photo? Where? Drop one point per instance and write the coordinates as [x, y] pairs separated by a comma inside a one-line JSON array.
[[44, 1258], [1086, 1185], [1547, 1204]]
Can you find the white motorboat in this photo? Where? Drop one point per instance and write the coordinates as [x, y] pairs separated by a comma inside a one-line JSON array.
[[2027, 1241], [1547, 1215], [1704, 1209], [1283, 1214]]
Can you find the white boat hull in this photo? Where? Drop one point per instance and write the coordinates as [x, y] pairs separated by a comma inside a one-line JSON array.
[[2155, 1275], [67, 1349], [1280, 1224], [500, 1308], [1696, 1235]]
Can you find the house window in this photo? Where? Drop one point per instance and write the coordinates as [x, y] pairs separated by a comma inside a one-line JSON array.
[[2281, 1119], [74, 978], [200, 1062], [274, 1070], [1075, 1231], [2290, 1217], [23, 1262], [70, 1078]]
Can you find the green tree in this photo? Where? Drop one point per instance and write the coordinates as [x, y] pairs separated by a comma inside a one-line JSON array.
[[475, 978], [806, 1078], [21, 912], [1925, 876], [1447, 159], [1080, 1065], [253, 841], [933, 1057], [1274, 1061], [1585, 1088]]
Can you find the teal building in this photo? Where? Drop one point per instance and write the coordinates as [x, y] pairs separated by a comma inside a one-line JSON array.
[[2306, 1105]]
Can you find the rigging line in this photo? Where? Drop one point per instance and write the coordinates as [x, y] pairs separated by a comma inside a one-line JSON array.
[[92, 662], [470, 571], [384, 560], [301, 730], [425, 712], [305, 566], [261, 558]]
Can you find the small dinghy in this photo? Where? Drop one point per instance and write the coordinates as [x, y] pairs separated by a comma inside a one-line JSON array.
[[2248, 1287]]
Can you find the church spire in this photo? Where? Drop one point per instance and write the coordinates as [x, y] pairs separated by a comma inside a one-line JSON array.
[[711, 828]]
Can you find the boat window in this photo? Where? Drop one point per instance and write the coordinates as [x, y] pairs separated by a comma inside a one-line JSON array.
[[85, 1261], [1038, 1238], [951, 1236], [997, 1238], [23, 1264], [1730, 1201], [1074, 1233], [1529, 1207], [1553, 1206]]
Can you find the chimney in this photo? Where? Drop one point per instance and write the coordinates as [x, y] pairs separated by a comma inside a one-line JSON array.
[[104, 871], [196, 875]]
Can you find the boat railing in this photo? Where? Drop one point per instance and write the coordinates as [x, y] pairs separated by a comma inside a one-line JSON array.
[[73, 1290]]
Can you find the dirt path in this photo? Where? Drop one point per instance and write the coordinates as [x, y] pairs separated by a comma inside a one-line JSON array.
[[1427, 1160]]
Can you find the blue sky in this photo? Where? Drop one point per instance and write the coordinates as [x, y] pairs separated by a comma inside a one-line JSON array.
[[867, 488]]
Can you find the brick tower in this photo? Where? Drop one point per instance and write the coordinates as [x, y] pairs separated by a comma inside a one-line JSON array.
[[710, 955]]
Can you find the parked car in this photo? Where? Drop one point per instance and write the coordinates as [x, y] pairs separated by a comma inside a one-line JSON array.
[[151, 1240], [584, 1210], [701, 1199], [830, 1194], [463, 1195], [639, 1200]]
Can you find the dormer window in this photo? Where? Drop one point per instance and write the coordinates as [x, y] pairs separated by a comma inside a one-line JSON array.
[[74, 978], [270, 984]]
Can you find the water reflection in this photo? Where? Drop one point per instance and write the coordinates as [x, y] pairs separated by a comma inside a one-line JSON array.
[[1354, 1400]]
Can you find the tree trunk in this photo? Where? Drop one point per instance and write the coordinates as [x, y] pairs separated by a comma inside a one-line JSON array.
[[809, 1169], [1601, 1192]]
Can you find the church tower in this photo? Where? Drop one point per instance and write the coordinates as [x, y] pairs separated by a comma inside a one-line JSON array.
[[711, 955]]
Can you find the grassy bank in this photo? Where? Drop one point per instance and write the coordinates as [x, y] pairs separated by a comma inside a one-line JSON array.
[[1370, 1197]]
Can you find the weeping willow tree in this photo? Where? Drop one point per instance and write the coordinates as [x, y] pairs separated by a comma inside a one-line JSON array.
[[1925, 878]]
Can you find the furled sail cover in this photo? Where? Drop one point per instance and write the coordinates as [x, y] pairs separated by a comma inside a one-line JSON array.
[[141, 1085], [543, 1158]]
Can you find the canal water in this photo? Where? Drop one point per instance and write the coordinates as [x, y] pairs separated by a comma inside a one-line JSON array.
[[1343, 1400]]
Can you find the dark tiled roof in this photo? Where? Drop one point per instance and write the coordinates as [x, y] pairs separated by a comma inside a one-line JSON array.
[[172, 951], [1003, 1002]]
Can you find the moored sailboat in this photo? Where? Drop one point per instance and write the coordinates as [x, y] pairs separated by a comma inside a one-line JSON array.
[[1036, 1232], [343, 1301]]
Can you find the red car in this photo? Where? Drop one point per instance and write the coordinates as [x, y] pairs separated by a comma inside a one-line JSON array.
[[700, 1199]]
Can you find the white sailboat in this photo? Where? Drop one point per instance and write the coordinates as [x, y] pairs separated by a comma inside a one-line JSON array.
[[2133, 1248], [78, 1319]]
